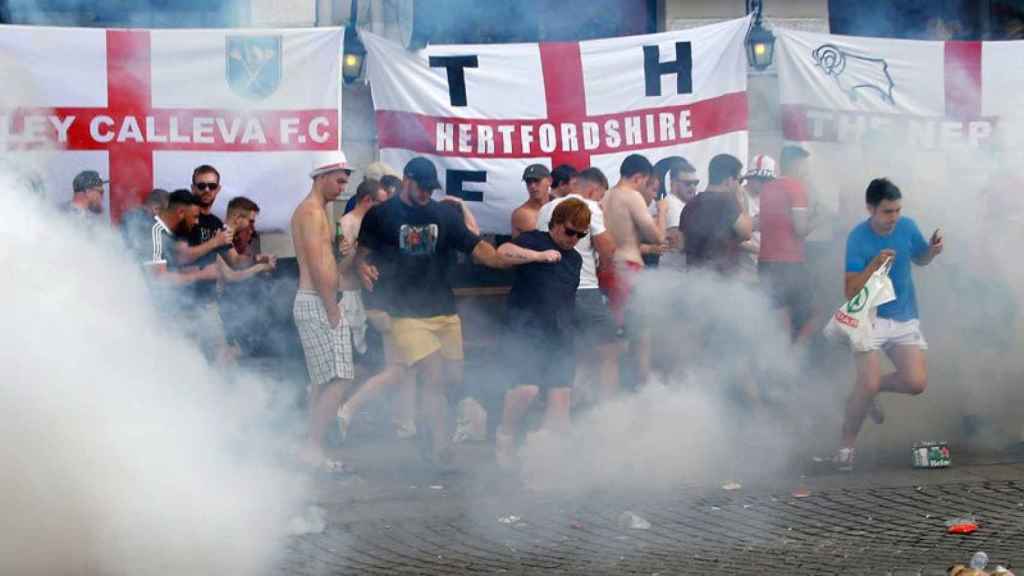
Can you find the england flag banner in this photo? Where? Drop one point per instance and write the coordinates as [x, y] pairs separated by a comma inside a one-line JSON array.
[[926, 94], [931, 113], [482, 113], [145, 107]]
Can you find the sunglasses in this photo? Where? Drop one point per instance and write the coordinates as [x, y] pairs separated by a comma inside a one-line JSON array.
[[204, 186], [577, 233], [693, 183]]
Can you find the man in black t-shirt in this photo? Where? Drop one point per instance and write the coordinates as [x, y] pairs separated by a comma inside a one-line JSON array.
[[714, 223], [210, 242], [166, 277], [405, 247], [539, 343]]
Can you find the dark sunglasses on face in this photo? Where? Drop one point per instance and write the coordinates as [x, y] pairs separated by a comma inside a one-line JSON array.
[[693, 183], [577, 233], [204, 186]]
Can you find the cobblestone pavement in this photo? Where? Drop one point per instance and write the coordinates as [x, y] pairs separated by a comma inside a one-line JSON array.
[[873, 522]]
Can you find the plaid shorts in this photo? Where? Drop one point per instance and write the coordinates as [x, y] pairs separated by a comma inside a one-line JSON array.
[[328, 350]]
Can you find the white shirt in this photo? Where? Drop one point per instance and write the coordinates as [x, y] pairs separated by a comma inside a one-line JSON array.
[[675, 208], [588, 273], [670, 260], [748, 260]]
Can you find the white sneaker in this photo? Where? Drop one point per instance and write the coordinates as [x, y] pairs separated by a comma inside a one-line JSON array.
[[843, 460]]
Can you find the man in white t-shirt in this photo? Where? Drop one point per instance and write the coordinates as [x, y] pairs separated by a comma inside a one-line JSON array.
[[679, 184], [598, 340], [760, 172]]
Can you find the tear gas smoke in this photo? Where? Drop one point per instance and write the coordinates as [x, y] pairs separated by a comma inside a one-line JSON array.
[[126, 453]]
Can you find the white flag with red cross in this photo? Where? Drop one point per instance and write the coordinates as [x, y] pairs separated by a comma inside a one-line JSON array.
[[145, 107], [933, 115], [930, 94], [482, 113]]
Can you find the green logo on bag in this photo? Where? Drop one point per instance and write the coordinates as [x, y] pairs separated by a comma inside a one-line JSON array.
[[857, 303]]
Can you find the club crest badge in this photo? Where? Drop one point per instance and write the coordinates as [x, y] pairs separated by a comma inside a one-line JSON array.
[[253, 67]]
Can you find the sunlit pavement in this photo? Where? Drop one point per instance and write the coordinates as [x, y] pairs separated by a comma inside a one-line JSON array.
[[395, 517]]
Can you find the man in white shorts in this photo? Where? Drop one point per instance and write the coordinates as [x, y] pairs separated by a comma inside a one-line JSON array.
[[897, 330]]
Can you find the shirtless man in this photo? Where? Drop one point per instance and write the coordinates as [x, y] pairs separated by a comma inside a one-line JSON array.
[[627, 218], [538, 185], [323, 330]]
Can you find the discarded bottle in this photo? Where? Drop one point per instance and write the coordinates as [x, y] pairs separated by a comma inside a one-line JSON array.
[[629, 520], [979, 561]]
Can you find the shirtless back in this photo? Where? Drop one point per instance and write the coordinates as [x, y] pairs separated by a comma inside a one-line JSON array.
[[626, 215], [538, 186]]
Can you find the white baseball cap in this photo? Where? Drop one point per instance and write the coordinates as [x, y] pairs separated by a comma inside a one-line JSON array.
[[329, 161], [761, 166]]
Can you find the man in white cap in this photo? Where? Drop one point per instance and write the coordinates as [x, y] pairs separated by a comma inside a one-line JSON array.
[[326, 340], [784, 225], [760, 172]]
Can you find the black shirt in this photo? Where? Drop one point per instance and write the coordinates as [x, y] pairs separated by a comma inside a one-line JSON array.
[[206, 227], [543, 295], [707, 226], [412, 248]]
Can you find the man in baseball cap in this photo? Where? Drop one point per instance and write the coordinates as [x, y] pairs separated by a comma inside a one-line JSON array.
[[423, 173], [759, 174], [88, 194], [538, 189], [405, 249]]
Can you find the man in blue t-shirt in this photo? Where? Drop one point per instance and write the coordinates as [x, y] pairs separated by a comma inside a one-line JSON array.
[[896, 330]]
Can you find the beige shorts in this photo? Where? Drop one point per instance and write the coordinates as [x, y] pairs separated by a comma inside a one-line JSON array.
[[328, 350], [417, 338]]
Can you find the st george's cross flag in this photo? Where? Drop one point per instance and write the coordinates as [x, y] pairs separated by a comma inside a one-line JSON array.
[[482, 113], [926, 112], [145, 107]]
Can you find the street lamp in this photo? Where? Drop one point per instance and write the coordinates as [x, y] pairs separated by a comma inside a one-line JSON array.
[[355, 53], [760, 40]]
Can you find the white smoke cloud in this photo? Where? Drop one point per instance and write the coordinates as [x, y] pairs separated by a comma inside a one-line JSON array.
[[124, 452]]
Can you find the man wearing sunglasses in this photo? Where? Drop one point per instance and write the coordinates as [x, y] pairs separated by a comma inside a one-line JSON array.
[[598, 343], [679, 186], [541, 325]]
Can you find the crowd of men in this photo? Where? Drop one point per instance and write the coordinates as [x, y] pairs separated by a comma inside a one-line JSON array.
[[577, 251], [190, 256]]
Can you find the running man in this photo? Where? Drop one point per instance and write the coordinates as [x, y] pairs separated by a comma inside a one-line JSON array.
[[896, 331]]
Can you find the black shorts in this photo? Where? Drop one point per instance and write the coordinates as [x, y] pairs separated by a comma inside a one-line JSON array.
[[538, 359], [594, 323], [788, 284]]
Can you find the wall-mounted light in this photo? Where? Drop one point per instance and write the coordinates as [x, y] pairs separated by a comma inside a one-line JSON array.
[[355, 53], [760, 40]]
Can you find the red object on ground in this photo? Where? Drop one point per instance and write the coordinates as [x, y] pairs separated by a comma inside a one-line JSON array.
[[963, 528]]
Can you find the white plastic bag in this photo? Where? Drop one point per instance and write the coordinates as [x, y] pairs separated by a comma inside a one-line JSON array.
[[852, 321]]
